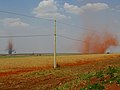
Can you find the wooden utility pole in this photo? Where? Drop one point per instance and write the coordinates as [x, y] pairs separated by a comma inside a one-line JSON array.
[[55, 43]]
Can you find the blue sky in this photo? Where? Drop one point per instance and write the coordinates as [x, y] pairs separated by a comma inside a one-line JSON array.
[[74, 18]]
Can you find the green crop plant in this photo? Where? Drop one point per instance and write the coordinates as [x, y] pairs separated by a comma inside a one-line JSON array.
[[100, 74], [111, 71], [94, 87]]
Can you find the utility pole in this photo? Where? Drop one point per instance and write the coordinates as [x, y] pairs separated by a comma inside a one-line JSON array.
[[55, 43]]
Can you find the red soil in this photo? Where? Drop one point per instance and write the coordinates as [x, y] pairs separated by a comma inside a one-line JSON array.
[[24, 70], [112, 87]]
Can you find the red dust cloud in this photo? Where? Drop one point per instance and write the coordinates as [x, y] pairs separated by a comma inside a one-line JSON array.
[[10, 44], [100, 34], [95, 42], [10, 47]]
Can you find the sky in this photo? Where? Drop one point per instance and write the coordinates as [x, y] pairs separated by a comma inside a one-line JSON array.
[[74, 19]]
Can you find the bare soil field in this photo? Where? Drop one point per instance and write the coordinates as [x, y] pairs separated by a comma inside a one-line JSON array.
[[37, 73]]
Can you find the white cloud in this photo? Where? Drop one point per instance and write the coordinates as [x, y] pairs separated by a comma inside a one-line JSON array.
[[48, 9], [72, 8], [95, 6], [88, 7], [14, 22]]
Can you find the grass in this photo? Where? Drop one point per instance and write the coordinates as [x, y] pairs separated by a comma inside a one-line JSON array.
[[98, 75], [113, 74], [12, 56], [65, 77], [44, 61]]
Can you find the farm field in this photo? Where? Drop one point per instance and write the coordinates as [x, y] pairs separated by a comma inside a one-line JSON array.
[[74, 72]]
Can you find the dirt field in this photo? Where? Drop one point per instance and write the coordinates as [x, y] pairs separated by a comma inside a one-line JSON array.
[[37, 73]]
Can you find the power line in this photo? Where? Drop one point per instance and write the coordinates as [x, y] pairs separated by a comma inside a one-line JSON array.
[[76, 26], [73, 25], [74, 39], [46, 35], [18, 14], [70, 38]]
